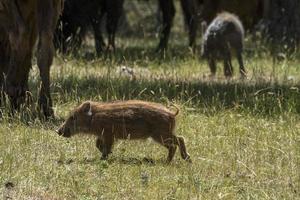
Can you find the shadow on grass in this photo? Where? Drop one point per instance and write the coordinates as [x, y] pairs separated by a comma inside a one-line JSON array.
[[141, 54], [256, 97], [115, 160], [147, 50], [135, 161], [207, 97]]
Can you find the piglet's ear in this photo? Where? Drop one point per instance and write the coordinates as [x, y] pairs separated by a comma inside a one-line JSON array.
[[87, 108]]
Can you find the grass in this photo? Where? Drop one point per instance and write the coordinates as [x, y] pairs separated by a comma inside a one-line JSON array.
[[234, 156], [243, 135]]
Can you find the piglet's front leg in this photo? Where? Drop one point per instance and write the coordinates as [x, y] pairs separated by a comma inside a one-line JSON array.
[[104, 146]]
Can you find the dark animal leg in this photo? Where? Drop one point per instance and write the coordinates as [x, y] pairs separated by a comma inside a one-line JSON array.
[[15, 83], [114, 12], [228, 69], [237, 45], [60, 37], [189, 8], [168, 13], [99, 41], [172, 149], [71, 37], [170, 142], [17, 77], [47, 19], [183, 152], [241, 64], [4, 62], [45, 56], [212, 66], [99, 144], [104, 144]]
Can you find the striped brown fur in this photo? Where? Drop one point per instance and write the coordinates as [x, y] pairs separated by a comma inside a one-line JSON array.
[[125, 120]]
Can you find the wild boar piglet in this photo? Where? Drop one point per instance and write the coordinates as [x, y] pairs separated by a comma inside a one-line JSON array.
[[224, 34], [125, 120]]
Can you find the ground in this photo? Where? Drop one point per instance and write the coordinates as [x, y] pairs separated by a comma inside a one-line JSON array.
[[243, 135]]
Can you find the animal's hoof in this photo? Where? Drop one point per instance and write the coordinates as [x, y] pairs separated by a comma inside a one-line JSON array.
[[45, 105], [49, 113], [244, 76], [188, 159], [103, 158], [9, 185]]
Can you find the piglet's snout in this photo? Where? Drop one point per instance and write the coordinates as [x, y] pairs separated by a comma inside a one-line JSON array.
[[59, 131], [63, 131]]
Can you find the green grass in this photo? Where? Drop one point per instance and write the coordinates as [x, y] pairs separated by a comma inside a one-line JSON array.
[[234, 156], [243, 135]]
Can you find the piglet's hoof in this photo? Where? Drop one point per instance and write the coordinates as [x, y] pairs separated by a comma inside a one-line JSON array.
[[243, 76], [188, 159], [103, 157]]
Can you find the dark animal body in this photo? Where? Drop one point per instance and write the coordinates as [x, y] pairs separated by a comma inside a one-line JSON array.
[[79, 14], [190, 10], [125, 120], [225, 33], [21, 23]]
